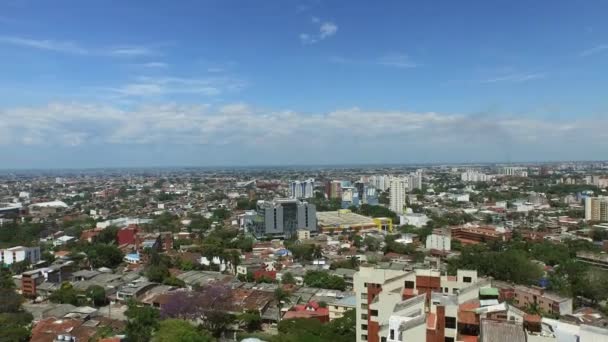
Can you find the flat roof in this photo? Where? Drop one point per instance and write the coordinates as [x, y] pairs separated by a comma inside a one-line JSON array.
[[342, 219]]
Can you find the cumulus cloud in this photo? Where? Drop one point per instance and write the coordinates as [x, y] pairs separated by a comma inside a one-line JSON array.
[[326, 29], [240, 126]]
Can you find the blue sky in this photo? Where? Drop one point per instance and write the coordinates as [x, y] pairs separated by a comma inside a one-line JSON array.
[[159, 83]]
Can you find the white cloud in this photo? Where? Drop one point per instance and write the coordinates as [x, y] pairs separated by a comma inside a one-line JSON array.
[[594, 50], [515, 78], [242, 126], [154, 65], [74, 48], [326, 29], [158, 86], [397, 60], [131, 51], [50, 45]]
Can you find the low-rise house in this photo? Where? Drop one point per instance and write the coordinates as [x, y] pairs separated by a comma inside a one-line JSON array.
[[338, 307]]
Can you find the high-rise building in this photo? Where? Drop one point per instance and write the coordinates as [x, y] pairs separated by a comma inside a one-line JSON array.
[[415, 180], [302, 189], [399, 187], [596, 209], [282, 218], [333, 189], [514, 171], [380, 182], [475, 176]]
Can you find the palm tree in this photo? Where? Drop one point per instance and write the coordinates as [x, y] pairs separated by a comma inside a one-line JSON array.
[[281, 297]]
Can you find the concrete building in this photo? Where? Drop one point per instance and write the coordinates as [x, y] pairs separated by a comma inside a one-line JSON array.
[[514, 171], [414, 219], [338, 307], [473, 235], [551, 303], [439, 242], [283, 218], [302, 189], [475, 176], [337, 221], [380, 182], [12, 255], [399, 189], [596, 209], [419, 305], [415, 180], [333, 189]]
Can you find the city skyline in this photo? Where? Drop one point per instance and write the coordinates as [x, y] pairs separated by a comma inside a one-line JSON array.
[[300, 82]]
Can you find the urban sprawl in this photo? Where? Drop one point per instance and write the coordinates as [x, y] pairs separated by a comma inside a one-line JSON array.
[[487, 252]]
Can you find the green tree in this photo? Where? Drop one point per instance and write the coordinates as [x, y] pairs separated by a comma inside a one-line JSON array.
[[250, 320], [142, 322], [324, 280], [108, 235], [101, 255], [179, 330], [66, 294], [13, 319], [288, 278], [97, 294]]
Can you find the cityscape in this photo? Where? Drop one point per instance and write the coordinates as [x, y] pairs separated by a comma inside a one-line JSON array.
[[303, 171]]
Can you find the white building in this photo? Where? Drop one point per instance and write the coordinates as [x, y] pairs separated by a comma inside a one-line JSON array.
[[514, 171], [439, 242], [380, 182], [399, 188], [17, 254], [475, 176], [415, 180], [302, 189], [414, 219], [459, 197]]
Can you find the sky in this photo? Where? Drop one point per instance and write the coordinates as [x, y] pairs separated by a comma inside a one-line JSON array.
[[295, 82]]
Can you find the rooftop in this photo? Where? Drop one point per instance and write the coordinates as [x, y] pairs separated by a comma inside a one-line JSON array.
[[342, 218]]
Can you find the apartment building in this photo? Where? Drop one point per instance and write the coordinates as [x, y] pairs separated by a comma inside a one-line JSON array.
[[475, 235], [596, 209], [302, 189], [399, 188], [526, 296], [12, 255], [419, 305]]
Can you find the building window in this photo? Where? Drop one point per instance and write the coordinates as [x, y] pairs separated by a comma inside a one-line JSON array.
[[450, 322], [383, 339], [374, 312], [364, 306], [409, 284], [467, 279], [449, 339], [392, 334], [364, 337], [364, 296], [364, 317], [363, 326]]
